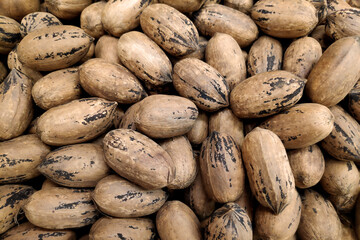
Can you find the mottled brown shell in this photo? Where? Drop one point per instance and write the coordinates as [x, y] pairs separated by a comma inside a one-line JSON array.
[[61, 208], [343, 23], [221, 168], [19, 158], [301, 56], [75, 122], [37, 20], [138, 158], [336, 72], [197, 199], [28, 230], [279, 226], [307, 165], [67, 9], [266, 94], [144, 58], [229, 222], [16, 107], [9, 34], [319, 219], [125, 228], [174, 214], [199, 131], [285, 19], [224, 54], [90, 19], [118, 197], [54, 47], [302, 125], [57, 88], [79, 165], [180, 150], [17, 9], [212, 18], [268, 169], [201, 83], [119, 16], [106, 48], [165, 116], [170, 29], [343, 143], [110, 81], [340, 177], [12, 198], [265, 55]]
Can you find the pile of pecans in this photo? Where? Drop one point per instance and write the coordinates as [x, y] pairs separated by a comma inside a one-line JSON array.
[[173, 119]]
